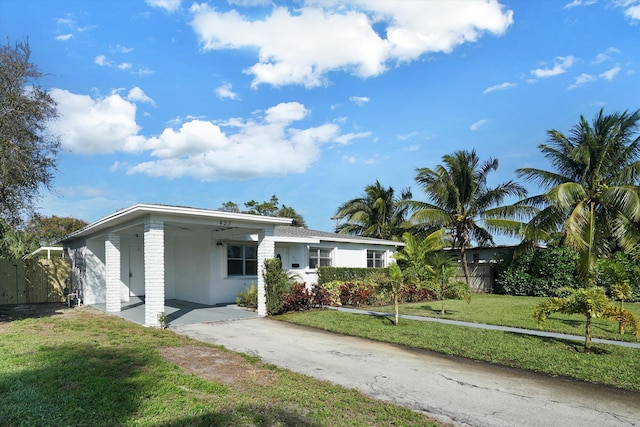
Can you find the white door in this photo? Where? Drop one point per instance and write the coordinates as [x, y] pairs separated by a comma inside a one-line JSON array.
[[136, 271], [283, 255]]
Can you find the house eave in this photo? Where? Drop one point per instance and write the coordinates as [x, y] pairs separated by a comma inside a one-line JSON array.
[[140, 210]]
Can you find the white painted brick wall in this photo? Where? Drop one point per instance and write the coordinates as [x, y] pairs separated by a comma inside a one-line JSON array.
[[153, 270], [112, 267], [266, 250]]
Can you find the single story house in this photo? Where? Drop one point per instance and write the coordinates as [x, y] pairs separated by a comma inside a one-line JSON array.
[[206, 256]]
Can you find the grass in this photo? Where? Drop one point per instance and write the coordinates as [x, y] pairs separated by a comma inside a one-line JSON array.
[[86, 368], [607, 364], [506, 310]]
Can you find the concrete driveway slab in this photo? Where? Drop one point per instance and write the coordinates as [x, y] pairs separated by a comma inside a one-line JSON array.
[[454, 390]]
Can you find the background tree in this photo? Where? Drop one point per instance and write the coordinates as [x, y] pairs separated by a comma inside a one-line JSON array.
[[47, 230], [269, 207], [459, 198], [378, 213], [592, 194], [27, 151], [14, 242]]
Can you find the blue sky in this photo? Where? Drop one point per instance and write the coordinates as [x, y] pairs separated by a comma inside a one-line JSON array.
[[197, 104]]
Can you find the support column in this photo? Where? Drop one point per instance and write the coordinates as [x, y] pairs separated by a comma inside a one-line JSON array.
[[112, 267], [153, 270], [266, 250]]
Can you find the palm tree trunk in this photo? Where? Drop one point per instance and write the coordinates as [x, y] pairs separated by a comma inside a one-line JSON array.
[[465, 267]]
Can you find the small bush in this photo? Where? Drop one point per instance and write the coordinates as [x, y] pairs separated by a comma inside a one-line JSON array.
[[301, 298], [249, 298], [412, 293]]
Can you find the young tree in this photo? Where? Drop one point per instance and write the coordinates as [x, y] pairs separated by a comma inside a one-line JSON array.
[[443, 269], [27, 151], [378, 213], [590, 302], [459, 198]]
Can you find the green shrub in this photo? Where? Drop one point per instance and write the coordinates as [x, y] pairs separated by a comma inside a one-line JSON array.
[[278, 284], [617, 269], [249, 298], [346, 274], [538, 273]]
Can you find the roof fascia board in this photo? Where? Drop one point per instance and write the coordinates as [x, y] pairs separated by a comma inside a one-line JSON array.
[[139, 210]]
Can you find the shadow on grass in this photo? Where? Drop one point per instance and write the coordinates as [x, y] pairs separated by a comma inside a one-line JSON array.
[[435, 310], [570, 345], [253, 415], [11, 312], [79, 385]]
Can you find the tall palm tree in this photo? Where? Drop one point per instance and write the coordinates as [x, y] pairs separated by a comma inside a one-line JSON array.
[[378, 213], [459, 198], [591, 195]]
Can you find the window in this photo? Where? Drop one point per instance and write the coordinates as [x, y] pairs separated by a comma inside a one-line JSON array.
[[242, 260], [319, 257], [375, 259]]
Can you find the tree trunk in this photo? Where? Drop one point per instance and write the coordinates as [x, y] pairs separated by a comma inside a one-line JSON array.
[[587, 333], [395, 304], [465, 268]]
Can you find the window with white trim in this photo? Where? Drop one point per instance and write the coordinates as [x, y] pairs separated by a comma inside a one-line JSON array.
[[242, 260], [319, 257], [375, 259]]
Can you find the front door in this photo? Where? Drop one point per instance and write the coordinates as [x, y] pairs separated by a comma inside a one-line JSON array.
[[136, 271]]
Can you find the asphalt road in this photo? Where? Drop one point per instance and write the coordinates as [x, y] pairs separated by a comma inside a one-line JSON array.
[[452, 390]]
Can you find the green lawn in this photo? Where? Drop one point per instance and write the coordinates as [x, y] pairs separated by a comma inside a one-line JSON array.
[[606, 364], [86, 368], [506, 310]]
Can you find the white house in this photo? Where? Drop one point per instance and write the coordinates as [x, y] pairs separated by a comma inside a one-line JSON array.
[[205, 256]]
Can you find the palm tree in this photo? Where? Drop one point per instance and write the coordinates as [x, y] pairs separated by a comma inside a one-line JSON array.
[[592, 195], [378, 213], [459, 198]]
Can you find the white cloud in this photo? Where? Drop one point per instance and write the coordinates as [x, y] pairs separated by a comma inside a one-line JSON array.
[[359, 100], [576, 3], [348, 137], [102, 61], [238, 148], [406, 136], [343, 38], [477, 125], [225, 91], [137, 95], [498, 87], [610, 74], [122, 49], [144, 72], [167, 5], [124, 66], [64, 37], [604, 56], [582, 79], [560, 66], [631, 8], [102, 125]]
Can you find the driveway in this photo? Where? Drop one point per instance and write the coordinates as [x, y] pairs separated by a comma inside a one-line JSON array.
[[452, 390]]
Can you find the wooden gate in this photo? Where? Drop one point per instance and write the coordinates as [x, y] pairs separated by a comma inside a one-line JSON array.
[[33, 280]]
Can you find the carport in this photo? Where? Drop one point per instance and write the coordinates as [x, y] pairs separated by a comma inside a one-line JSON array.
[[154, 254]]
